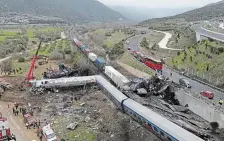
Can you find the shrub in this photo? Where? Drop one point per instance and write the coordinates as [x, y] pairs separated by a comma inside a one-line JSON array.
[[21, 59], [67, 50], [108, 34], [55, 55]]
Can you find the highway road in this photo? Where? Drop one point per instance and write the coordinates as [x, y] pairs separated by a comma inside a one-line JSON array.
[[196, 86], [211, 34]]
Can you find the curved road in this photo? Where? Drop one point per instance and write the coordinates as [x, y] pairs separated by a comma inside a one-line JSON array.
[[196, 86], [162, 44]]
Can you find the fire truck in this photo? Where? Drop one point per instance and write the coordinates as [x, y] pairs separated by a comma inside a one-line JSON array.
[[5, 132]]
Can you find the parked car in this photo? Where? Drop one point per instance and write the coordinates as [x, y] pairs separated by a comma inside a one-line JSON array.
[[208, 94], [185, 83], [182, 73], [129, 48]]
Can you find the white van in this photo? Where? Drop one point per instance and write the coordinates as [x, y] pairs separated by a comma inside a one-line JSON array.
[[48, 133], [184, 82]]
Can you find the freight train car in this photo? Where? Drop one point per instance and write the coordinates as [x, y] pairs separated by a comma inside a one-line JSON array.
[[77, 42], [92, 56], [100, 63]]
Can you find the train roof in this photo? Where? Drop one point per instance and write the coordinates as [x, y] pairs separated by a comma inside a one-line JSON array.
[[114, 91], [118, 74], [153, 59], [169, 127], [64, 81], [75, 39]]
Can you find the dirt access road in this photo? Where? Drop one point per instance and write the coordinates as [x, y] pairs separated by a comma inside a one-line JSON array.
[[16, 124]]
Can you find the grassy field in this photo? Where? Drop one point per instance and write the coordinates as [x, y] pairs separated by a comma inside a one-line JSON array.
[[48, 48], [154, 38], [183, 41], [30, 32], [130, 61], [200, 61], [213, 28], [4, 34], [2, 38], [101, 31], [115, 38]]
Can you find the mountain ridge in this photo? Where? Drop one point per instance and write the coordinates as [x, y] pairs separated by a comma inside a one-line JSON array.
[[75, 10], [210, 11], [143, 13]]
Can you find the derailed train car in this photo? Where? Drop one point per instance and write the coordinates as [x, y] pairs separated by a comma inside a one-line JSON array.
[[63, 82], [116, 77], [112, 93], [155, 123]]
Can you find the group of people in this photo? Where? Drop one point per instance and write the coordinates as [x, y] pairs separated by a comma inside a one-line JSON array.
[[34, 124], [12, 137], [16, 109]]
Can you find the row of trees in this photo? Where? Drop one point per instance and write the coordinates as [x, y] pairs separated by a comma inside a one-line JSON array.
[[13, 44], [144, 43]]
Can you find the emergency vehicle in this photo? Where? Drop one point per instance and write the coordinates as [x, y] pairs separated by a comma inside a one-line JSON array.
[[48, 133], [5, 132]]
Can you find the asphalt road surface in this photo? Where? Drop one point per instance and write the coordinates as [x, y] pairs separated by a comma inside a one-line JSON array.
[[196, 86]]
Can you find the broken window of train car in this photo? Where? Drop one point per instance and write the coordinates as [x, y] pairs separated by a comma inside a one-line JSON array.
[[162, 134], [156, 129], [150, 125], [169, 139]]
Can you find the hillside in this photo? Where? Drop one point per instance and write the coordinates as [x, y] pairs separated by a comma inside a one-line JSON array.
[[78, 10], [204, 13], [143, 13]]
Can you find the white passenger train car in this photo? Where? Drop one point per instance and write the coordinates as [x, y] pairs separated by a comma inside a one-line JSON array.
[[157, 124], [64, 82], [116, 77], [113, 93]]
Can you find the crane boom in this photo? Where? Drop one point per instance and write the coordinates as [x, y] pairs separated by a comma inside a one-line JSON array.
[[30, 73]]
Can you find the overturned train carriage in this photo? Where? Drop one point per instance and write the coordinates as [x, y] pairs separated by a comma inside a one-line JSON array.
[[64, 82]]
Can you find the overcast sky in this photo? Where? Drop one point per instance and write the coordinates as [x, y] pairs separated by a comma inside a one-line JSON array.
[[159, 3]]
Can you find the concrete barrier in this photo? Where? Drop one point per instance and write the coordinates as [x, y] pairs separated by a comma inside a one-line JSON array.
[[204, 110]]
